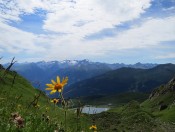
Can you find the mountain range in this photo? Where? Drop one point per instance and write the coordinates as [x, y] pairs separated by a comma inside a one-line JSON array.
[[122, 80], [77, 70]]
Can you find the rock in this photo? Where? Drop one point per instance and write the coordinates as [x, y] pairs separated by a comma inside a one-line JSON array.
[[163, 107], [172, 84], [160, 103]]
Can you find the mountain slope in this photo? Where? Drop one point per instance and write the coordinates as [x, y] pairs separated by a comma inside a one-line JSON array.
[[149, 116], [123, 80], [40, 115], [162, 101]]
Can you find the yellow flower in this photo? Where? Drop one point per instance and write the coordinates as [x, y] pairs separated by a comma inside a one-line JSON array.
[[55, 101], [93, 127], [57, 86]]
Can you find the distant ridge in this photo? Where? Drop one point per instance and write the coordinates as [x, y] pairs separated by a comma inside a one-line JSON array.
[[77, 70], [123, 80]]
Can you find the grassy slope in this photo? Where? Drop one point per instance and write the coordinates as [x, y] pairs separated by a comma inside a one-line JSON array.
[[166, 96], [32, 116], [145, 117], [133, 118], [129, 118]]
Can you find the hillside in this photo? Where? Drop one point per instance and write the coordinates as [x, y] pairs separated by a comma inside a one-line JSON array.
[[123, 80], [156, 114], [25, 109], [162, 102]]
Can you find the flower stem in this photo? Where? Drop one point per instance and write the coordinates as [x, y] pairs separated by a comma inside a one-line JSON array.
[[65, 110], [65, 114]]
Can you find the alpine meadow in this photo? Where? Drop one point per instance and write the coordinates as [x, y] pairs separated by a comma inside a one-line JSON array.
[[87, 65]]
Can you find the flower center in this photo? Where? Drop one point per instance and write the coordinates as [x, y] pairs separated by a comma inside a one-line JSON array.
[[58, 87]]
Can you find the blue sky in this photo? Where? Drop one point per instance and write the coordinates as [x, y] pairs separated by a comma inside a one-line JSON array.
[[112, 31]]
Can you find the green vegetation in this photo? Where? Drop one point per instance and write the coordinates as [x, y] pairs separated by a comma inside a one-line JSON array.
[[19, 111], [155, 114], [132, 118], [127, 118], [24, 108], [162, 102]]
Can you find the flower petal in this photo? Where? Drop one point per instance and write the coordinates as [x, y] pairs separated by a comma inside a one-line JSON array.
[[58, 79], [50, 85], [64, 81], [53, 91], [49, 88], [53, 82]]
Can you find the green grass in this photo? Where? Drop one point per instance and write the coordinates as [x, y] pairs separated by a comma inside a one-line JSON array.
[[128, 118], [133, 118], [167, 115], [33, 117], [164, 95]]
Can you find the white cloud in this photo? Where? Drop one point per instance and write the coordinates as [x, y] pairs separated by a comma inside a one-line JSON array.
[[150, 33], [13, 40], [64, 15], [166, 56], [78, 20], [96, 15]]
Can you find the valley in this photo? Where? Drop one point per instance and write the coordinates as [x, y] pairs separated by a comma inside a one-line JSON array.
[[147, 110]]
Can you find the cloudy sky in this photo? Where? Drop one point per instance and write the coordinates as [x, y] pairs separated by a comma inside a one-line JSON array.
[[122, 31]]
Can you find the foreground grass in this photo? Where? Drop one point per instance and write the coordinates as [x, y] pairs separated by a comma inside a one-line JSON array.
[[44, 116]]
